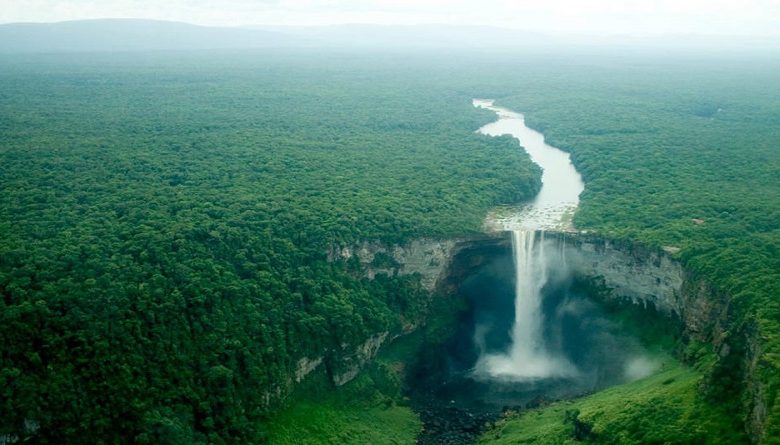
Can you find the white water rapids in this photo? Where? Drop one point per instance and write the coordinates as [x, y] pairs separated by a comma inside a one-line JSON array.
[[528, 357]]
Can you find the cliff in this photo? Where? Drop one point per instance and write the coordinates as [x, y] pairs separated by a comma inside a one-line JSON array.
[[652, 278], [627, 272], [427, 257]]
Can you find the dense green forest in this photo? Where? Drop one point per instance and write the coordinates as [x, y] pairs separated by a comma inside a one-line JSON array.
[[164, 225], [686, 154], [165, 218]]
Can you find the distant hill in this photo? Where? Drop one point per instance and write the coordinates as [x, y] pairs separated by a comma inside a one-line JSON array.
[[130, 35], [147, 35], [144, 35], [421, 36]]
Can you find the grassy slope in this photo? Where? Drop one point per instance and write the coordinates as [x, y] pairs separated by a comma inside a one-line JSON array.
[[369, 409], [337, 420], [662, 408]]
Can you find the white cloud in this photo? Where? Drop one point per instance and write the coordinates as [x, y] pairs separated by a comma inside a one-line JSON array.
[[741, 17]]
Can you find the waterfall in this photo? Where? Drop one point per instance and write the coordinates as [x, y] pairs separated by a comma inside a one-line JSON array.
[[527, 358], [530, 277]]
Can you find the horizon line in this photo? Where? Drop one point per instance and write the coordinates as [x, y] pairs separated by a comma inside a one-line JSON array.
[[404, 25]]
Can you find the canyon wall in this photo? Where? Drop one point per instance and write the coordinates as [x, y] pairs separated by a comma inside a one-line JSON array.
[[626, 271], [650, 277], [426, 256]]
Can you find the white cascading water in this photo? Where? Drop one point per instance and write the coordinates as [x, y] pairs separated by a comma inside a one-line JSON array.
[[530, 277], [528, 358]]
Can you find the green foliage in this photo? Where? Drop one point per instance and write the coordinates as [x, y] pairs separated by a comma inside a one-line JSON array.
[[369, 409], [355, 414], [165, 221], [683, 151], [665, 408]]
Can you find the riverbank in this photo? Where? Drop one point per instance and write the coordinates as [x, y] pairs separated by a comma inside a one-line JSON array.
[[553, 207]]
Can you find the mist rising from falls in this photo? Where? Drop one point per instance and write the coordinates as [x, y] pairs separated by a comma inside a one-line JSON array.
[[528, 357]]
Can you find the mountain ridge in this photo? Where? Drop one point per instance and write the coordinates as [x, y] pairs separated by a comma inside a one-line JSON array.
[[127, 34]]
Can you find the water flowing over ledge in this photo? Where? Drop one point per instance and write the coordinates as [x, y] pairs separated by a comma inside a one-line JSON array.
[[529, 358]]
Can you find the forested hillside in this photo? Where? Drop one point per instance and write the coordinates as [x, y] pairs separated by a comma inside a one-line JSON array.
[[686, 154], [677, 151], [165, 218], [164, 222]]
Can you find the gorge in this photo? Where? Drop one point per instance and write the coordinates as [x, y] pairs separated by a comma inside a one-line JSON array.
[[534, 328], [534, 311]]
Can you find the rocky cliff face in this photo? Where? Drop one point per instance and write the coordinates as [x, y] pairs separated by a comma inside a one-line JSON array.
[[651, 278], [427, 257], [642, 276], [351, 364], [629, 272], [348, 365]]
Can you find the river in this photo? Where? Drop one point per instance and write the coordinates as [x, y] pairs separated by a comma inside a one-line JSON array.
[[525, 337], [554, 206]]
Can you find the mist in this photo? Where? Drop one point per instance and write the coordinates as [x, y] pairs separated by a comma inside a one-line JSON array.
[[579, 348], [112, 35], [559, 17]]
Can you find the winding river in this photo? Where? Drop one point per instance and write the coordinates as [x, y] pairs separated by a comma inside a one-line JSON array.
[[527, 337], [529, 357], [554, 206]]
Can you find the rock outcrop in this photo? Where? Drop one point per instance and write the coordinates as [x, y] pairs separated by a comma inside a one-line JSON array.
[[652, 278], [350, 365], [643, 276], [426, 256]]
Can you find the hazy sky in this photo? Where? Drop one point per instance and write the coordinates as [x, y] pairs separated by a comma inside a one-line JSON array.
[[721, 17]]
